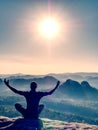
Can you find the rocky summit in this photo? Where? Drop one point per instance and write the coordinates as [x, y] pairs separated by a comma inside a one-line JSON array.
[[41, 124], [20, 124]]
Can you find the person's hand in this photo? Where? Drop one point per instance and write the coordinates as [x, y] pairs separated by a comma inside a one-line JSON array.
[[58, 83], [6, 82]]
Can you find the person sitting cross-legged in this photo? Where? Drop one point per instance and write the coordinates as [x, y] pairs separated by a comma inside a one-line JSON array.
[[32, 99]]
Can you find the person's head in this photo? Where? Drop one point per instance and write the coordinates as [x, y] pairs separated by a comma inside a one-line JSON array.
[[33, 86]]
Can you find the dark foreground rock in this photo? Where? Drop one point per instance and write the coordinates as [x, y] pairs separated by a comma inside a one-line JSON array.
[[31, 124], [20, 124]]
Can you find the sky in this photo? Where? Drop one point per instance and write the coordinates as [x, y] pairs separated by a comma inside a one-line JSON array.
[[24, 50]]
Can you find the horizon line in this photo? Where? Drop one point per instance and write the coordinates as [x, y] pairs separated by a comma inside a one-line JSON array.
[[46, 73]]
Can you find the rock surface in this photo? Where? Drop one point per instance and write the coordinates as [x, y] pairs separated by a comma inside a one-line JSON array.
[[20, 124], [31, 124], [60, 125]]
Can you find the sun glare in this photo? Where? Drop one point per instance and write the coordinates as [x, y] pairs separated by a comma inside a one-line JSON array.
[[49, 28]]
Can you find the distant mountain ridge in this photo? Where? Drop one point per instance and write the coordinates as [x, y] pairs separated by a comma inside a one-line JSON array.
[[40, 80], [76, 90], [69, 88], [20, 82], [92, 77]]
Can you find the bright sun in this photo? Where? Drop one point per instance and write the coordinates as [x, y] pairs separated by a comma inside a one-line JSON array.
[[49, 28]]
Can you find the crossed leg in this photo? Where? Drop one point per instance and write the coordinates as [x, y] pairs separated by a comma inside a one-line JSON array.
[[20, 109], [27, 114]]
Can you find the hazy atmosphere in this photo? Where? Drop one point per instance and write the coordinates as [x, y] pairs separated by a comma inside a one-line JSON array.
[[48, 36]]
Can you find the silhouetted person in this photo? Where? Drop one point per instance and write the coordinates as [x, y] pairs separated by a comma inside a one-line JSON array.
[[32, 98]]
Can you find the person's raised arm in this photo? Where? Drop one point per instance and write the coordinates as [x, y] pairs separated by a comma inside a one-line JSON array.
[[52, 91], [13, 89]]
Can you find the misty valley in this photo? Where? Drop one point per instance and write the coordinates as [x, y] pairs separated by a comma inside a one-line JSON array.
[[76, 99]]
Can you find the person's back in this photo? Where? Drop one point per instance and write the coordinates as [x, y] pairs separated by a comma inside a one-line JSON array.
[[33, 99]]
